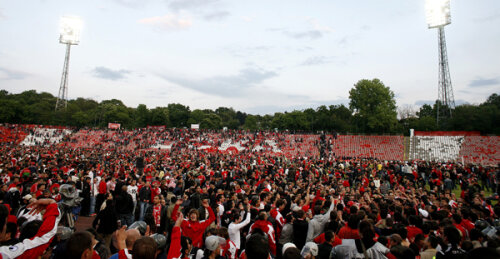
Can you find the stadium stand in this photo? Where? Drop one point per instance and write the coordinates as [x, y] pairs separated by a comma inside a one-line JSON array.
[[442, 146], [45, 136], [481, 150], [436, 148], [12, 134], [382, 147]]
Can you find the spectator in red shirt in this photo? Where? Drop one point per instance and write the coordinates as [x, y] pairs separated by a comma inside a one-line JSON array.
[[350, 230]]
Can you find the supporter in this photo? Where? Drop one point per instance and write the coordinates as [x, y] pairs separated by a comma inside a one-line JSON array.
[[124, 206], [106, 222], [100, 247], [350, 231], [101, 197], [144, 199], [80, 245], [325, 248], [199, 181], [300, 226], [431, 243], [191, 226], [287, 231], [452, 239], [93, 195], [266, 227], [234, 229], [318, 222], [132, 190], [365, 247], [257, 247], [156, 215], [124, 241], [28, 248]]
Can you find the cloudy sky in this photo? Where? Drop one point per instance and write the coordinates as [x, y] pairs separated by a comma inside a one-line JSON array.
[[260, 56]]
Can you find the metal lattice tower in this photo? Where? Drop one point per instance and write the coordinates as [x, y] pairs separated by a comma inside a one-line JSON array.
[[445, 89], [62, 98]]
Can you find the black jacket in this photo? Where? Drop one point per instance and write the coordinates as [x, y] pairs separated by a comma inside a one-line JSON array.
[[145, 194], [124, 203], [324, 250], [107, 221], [164, 221], [300, 233]]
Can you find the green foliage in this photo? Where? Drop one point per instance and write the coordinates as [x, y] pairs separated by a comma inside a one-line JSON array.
[[371, 110], [178, 115], [374, 106]]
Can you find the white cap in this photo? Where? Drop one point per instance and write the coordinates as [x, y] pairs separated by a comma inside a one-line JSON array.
[[212, 242], [288, 245], [424, 213], [310, 247], [27, 197]]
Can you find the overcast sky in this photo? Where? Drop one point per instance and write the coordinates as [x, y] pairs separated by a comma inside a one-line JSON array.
[[260, 56]]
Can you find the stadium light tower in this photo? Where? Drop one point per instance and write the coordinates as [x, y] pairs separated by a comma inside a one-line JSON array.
[[70, 28], [438, 16]]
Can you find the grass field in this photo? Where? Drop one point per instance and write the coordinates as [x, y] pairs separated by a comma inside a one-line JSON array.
[[458, 192]]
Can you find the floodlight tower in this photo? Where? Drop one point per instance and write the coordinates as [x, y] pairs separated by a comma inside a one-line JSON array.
[[438, 16], [70, 28]]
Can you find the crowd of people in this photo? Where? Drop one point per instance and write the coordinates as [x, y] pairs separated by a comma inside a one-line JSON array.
[[186, 202]]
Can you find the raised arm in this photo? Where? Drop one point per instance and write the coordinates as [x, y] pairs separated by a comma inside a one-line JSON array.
[[211, 217], [176, 208], [243, 223], [175, 246], [35, 246]]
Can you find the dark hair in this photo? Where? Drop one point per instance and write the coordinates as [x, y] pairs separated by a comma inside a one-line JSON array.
[[457, 218], [329, 235], [29, 229], [185, 241], [144, 248], [317, 210], [383, 240], [12, 229], [452, 234], [4, 213], [292, 253], [366, 230], [257, 247], [262, 215], [279, 203], [353, 221], [433, 241], [419, 237], [475, 234], [78, 243]]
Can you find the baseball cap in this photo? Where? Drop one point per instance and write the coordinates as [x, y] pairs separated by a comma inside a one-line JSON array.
[[309, 247], [27, 197], [212, 242], [424, 213]]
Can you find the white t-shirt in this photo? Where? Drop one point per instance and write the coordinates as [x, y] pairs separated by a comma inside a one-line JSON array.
[[132, 190]]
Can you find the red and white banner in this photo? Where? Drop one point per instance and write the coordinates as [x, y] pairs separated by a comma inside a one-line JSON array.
[[114, 125]]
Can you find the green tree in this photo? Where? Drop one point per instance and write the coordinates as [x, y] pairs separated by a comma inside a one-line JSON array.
[[374, 106], [178, 115], [251, 122], [159, 116], [142, 116]]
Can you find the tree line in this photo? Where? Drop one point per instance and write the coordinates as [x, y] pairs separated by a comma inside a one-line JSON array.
[[372, 109]]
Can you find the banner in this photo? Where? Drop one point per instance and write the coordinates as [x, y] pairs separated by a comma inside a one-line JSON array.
[[113, 125], [195, 126]]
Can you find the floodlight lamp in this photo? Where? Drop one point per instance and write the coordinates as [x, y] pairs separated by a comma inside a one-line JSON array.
[[438, 13], [70, 29]]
